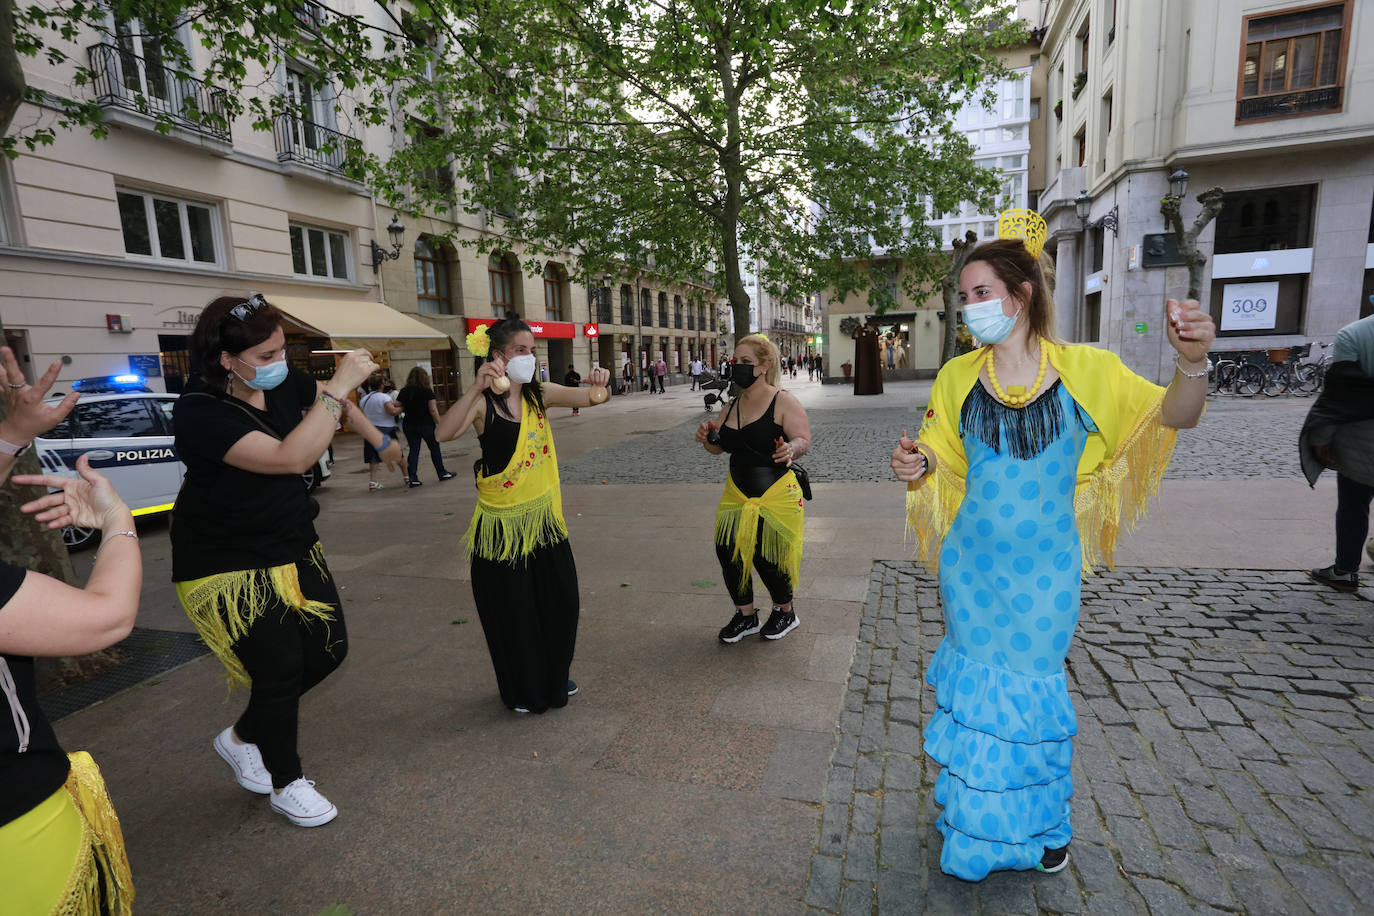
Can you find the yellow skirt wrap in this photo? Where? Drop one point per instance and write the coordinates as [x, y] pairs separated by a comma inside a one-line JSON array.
[[244, 594], [781, 508], [66, 856]]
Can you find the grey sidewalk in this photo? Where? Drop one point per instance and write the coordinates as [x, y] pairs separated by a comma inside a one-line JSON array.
[[693, 777]]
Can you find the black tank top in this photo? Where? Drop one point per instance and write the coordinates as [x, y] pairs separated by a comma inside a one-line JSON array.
[[498, 438], [751, 448]]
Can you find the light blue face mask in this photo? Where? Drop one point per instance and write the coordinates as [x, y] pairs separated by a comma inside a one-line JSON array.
[[267, 377], [987, 322]]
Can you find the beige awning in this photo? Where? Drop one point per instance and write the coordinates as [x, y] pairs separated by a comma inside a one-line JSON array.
[[355, 323]]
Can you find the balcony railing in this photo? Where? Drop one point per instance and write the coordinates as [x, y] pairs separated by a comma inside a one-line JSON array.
[[782, 324], [125, 80], [302, 140]]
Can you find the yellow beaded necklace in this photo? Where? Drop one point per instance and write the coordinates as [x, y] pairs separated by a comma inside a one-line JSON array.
[[1016, 395]]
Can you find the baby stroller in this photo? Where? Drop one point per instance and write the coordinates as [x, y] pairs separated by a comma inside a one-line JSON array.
[[716, 389]]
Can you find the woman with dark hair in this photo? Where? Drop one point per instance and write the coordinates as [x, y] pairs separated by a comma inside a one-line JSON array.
[[1032, 455], [421, 417], [61, 848], [524, 580], [247, 564]]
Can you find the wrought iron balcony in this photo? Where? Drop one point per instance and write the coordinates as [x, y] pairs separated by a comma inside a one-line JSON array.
[[782, 324], [126, 80], [301, 140]]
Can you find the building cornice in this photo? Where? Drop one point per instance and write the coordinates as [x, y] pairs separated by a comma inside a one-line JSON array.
[[1336, 140]]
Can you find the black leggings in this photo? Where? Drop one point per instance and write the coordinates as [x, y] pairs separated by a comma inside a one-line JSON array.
[[773, 577], [286, 654], [1352, 521]]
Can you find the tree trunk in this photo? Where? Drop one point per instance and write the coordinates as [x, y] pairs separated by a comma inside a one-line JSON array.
[[11, 72]]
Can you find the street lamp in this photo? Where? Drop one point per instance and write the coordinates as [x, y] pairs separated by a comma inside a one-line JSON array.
[[1081, 205], [380, 254], [1178, 184]]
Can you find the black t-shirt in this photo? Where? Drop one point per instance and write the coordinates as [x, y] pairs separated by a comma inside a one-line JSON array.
[[226, 518], [32, 763], [415, 402]]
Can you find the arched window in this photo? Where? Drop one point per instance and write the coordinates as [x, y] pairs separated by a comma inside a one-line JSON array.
[[677, 312], [701, 319], [498, 271], [663, 310], [646, 307], [554, 299], [627, 311], [431, 279], [691, 316]]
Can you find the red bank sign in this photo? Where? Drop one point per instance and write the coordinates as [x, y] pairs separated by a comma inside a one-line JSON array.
[[540, 328], [591, 331]]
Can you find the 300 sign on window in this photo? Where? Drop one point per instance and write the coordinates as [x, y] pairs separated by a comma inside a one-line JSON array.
[[1249, 306]]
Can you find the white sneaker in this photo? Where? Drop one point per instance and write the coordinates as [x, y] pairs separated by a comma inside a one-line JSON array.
[[300, 804], [246, 760]]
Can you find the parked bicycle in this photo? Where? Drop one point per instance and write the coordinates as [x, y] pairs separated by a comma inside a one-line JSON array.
[[1235, 376], [1313, 375]]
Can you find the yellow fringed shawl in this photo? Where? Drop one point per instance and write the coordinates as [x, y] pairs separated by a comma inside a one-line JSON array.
[[782, 509], [244, 594], [520, 508], [1119, 471], [102, 871]]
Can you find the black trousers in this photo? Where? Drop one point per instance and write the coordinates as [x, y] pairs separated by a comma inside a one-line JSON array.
[[1352, 521], [529, 610], [286, 654], [772, 575], [413, 436]]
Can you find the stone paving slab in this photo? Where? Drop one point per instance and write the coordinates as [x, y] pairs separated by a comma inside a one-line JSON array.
[[1224, 758]]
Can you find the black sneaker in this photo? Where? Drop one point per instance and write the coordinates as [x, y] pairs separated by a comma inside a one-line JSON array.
[[740, 627], [1341, 581], [779, 624], [1054, 860], [413, 484], [572, 687], [447, 475]]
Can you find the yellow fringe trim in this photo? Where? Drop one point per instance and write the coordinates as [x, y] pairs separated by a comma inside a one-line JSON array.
[[1112, 498], [244, 595], [502, 533], [102, 881], [783, 515]]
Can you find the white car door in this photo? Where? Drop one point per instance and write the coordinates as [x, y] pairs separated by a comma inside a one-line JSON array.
[[129, 440]]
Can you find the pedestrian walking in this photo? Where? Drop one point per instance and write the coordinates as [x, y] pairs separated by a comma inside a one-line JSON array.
[[1339, 434], [524, 580], [697, 369], [628, 375], [661, 373], [421, 414], [571, 380], [1031, 456], [61, 847], [381, 411], [759, 520], [246, 562]]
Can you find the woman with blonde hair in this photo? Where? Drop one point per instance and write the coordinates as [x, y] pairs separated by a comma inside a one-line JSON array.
[[1031, 457], [421, 417], [759, 521]]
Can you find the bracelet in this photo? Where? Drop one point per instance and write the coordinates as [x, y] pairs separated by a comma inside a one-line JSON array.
[[1202, 373], [114, 534]]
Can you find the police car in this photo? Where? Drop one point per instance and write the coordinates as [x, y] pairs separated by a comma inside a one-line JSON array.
[[126, 430]]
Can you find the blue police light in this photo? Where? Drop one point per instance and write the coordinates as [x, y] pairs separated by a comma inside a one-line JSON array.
[[110, 383]]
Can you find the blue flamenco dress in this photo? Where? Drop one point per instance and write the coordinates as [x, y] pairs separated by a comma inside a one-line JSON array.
[[1010, 573]]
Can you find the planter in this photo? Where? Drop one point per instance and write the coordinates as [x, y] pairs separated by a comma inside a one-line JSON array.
[[847, 369], [1059, 110], [1079, 82]]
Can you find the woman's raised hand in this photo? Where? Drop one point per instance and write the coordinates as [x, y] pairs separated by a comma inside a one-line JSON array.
[[601, 377], [489, 372], [703, 431], [1191, 330], [26, 416], [85, 501], [353, 370], [908, 462]]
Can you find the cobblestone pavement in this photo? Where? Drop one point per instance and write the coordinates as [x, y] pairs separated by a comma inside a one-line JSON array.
[[1239, 437], [1223, 759]]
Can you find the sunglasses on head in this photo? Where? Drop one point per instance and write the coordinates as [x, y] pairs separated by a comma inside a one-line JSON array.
[[249, 307]]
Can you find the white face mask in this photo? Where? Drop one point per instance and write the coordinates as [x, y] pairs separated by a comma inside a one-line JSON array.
[[520, 369]]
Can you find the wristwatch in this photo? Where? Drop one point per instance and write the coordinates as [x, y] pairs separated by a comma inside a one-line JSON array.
[[7, 448]]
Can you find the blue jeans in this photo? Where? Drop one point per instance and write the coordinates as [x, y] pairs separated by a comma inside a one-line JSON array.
[[413, 436]]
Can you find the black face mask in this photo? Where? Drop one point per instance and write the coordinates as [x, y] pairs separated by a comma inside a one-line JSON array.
[[742, 374]]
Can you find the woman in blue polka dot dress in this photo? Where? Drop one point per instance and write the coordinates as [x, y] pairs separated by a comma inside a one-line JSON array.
[[1031, 455]]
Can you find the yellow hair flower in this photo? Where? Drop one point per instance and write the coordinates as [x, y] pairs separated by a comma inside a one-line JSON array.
[[479, 344]]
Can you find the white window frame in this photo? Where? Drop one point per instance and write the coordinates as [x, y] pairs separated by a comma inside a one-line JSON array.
[[306, 228], [155, 242], [136, 47]]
